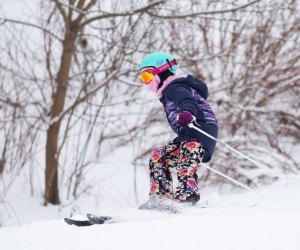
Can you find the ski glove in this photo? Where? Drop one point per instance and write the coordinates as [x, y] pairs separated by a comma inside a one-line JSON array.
[[184, 118]]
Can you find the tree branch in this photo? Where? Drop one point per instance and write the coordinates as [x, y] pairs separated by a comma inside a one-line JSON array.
[[214, 12], [80, 4], [72, 7], [85, 9], [4, 20], [129, 13], [62, 12]]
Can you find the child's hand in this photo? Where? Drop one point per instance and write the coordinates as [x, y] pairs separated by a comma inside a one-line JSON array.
[[184, 118]]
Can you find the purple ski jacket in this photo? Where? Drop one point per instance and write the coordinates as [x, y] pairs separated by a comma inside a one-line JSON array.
[[190, 94]]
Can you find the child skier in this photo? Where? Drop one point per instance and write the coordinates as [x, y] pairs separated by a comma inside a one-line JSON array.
[[184, 101]]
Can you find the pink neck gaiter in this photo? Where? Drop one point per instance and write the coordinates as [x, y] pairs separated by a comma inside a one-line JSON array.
[[153, 85]]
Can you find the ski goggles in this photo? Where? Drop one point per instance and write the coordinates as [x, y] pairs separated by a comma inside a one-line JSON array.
[[148, 75]]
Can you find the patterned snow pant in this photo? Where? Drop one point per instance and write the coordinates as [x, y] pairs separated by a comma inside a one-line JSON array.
[[185, 157]]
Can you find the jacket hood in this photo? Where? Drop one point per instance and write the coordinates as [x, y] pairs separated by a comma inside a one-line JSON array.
[[193, 82], [198, 85]]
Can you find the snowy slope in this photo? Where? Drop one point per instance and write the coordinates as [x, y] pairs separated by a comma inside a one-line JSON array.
[[227, 223]]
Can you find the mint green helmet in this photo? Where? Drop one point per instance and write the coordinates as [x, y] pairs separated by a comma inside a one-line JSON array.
[[157, 59]]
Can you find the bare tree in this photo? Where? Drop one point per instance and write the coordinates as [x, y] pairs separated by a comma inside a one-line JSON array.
[[76, 19], [95, 47]]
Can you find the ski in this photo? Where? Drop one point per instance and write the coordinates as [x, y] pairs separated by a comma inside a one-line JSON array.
[[78, 223], [91, 220], [168, 207]]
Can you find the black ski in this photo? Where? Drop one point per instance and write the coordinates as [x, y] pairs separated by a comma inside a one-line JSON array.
[[78, 223], [91, 220]]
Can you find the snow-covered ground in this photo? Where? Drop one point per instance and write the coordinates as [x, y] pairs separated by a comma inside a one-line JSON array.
[[228, 222]]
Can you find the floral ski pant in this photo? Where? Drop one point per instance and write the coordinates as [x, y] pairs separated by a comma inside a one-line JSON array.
[[185, 157]]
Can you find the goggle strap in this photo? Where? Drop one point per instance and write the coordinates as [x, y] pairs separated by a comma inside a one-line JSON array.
[[164, 67]]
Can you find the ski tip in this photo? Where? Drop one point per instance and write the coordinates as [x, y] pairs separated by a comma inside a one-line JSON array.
[[78, 223], [68, 221]]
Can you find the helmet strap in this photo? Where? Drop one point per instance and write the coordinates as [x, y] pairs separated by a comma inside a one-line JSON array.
[[163, 76]]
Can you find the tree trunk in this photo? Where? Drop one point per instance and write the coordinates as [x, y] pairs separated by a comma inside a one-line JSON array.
[[59, 96]]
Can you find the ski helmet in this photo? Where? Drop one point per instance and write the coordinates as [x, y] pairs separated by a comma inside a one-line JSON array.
[[157, 59]]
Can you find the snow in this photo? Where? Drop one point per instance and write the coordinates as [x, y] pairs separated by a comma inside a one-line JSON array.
[[228, 222]]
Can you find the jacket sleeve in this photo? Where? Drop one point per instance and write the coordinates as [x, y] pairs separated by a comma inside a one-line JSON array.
[[182, 96]]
